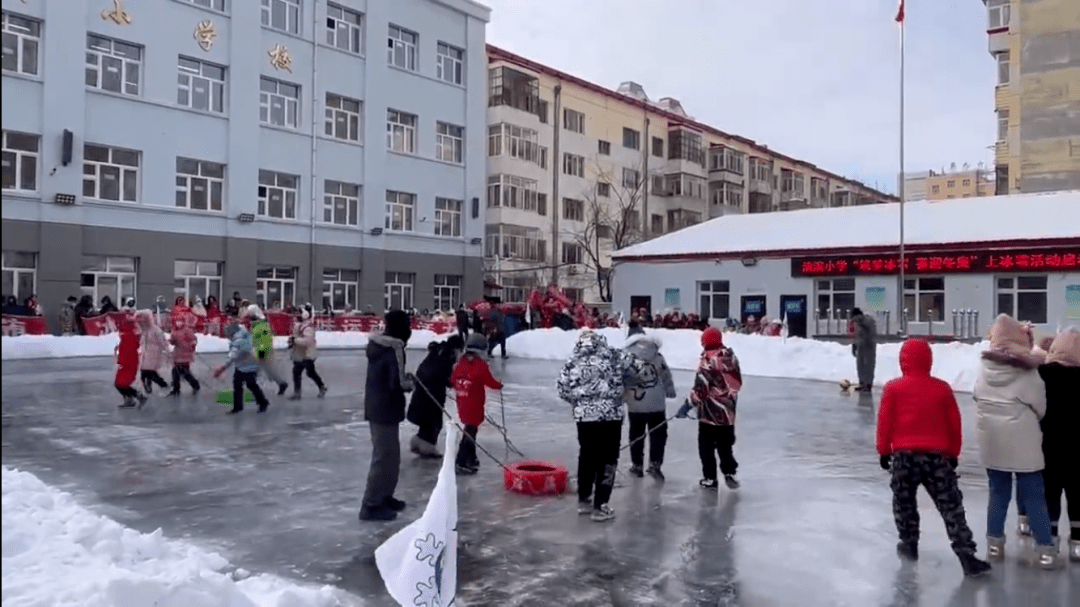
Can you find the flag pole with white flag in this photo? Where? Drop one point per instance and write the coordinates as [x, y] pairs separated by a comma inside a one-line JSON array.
[[901, 314], [419, 563]]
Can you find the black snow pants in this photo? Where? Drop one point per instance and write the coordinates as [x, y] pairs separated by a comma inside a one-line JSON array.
[[715, 440], [183, 370], [1058, 478], [931, 470], [149, 378], [598, 458], [298, 369], [653, 423]]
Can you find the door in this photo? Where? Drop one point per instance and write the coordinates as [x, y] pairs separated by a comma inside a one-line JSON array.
[[753, 305], [638, 302], [794, 306]]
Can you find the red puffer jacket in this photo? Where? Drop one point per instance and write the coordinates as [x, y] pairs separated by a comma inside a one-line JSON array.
[[918, 412], [184, 341], [470, 377], [127, 357]]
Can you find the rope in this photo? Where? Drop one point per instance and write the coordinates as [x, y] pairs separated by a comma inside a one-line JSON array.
[[459, 426], [648, 431]]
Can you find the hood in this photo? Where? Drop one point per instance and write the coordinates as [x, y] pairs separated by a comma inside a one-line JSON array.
[[398, 325], [864, 321], [1012, 343], [916, 357], [145, 318], [999, 373], [381, 341], [590, 342], [644, 346], [1066, 349]]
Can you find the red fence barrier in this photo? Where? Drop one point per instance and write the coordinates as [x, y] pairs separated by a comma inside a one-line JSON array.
[[24, 325]]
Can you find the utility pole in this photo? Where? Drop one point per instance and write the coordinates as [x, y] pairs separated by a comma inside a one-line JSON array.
[[556, 163], [645, 219]]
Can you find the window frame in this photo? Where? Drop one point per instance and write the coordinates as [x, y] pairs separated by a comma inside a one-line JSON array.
[[203, 173], [265, 190], [18, 158], [917, 292], [336, 116], [1015, 291], [122, 276], [349, 284], [710, 295], [215, 88], [572, 253], [631, 139], [400, 206], [290, 105], [635, 182], [603, 189], [514, 192], [449, 142], [573, 121], [123, 172], [400, 129], [24, 37], [396, 41], [450, 61], [603, 147], [573, 165], [344, 197], [447, 292], [128, 65], [1002, 124], [573, 209], [187, 277], [293, 16], [657, 150], [354, 31], [406, 283], [448, 216], [844, 286], [16, 272], [1004, 67], [998, 14], [267, 275]]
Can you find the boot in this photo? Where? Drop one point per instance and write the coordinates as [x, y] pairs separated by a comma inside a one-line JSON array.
[[1023, 529], [1074, 551], [295, 395], [731, 481], [129, 403], [281, 388], [972, 565], [995, 548], [654, 471], [636, 470], [1043, 557], [909, 551], [381, 513], [322, 391], [174, 392], [142, 400], [394, 504]]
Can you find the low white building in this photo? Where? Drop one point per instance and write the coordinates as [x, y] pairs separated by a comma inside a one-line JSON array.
[[966, 261]]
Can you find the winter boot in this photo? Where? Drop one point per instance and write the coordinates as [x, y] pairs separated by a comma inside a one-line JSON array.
[[584, 507], [1023, 529], [731, 481], [602, 514], [636, 470], [907, 551], [174, 392], [281, 388], [995, 548], [377, 514], [1074, 551], [972, 565], [1043, 557], [129, 403], [709, 483], [394, 504], [322, 391], [654, 471], [464, 470], [142, 400], [295, 395]]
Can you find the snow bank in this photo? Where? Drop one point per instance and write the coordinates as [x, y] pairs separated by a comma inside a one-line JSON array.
[[795, 358], [57, 553]]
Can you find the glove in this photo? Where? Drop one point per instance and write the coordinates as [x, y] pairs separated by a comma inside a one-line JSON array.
[[884, 461], [684, 410], [953, 462]]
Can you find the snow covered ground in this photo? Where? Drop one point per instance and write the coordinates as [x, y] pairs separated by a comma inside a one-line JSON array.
[[57, 553], [794, 358]]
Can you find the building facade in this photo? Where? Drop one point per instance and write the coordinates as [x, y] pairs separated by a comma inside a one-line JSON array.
[[292, 150], [1036, 46], [576, 170], [946, 185]]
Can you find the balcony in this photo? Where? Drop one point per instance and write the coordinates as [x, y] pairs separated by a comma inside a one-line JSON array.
[[841, 199], [509, 88], [760, 186], [760, 203]]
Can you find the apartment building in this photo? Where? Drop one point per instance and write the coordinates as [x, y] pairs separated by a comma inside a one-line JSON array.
[[1037, 98], [576, 170], [291, 150], [946, 185]]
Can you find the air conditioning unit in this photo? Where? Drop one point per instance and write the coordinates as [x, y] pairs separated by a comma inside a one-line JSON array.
[[573, 270]]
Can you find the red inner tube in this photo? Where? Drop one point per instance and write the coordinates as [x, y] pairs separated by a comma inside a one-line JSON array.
[[535, 478]]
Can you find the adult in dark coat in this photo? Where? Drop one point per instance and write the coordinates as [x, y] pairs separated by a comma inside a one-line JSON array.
[[477, 322], [462, 318], [1061, 374], [384, 410], [428, 400], [107, 305], [83, 309], [497, 334], [864, 348]]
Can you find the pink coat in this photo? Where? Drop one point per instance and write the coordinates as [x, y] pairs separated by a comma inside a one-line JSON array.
[[154, 348], [183, 340]]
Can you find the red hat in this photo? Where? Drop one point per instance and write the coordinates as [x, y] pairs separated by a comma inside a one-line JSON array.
[[712, 339]]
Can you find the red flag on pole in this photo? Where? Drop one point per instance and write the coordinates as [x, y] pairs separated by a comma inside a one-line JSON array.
[[900, 13]]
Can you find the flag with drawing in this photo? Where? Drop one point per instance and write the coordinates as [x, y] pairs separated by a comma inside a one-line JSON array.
[[419, 563]]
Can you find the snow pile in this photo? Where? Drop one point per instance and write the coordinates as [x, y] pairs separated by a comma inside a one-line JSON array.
[[796, 358], [57, 553]]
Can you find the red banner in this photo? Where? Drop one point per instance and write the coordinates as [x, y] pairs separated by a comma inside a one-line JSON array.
[[1047, 260], [24, 325]]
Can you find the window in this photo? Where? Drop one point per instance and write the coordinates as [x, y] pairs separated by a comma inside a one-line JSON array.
[[279, 103], [400, 132], [217, 5], [517, 142], [659, 186], [630, 178], [339, 288], [341, 203], [515, 242], [507, 86], [401, 48], [1023, 298], [792, 184], [631, 139], [282, 15], [514, 192], [447, 291], [22, 42], [733, 160], [450, 64], [689, 186], [726, 193], [761, 170], [200, 185], [999, 13], [1003, 124], [925, 298], [835, 297], [967, 182], [656, 224], [400, 209], [604, 148], [951, 183], [572, 253], [112, 277], [603, 231], [685, 145], [575, 294], [275, 287], [344, 29], [110, 173], [448, 142], [819, 188], [573, 164], [278, 193], [112, 65], [573, 210], [448, 217], [1003, 67], [603, 189], [682, 218], [658, 147], [19, 274], [573, 120], [20, 161], [342, 118], [398, 292], [715, 299], [197, 279], [936, 189], [201, 86]]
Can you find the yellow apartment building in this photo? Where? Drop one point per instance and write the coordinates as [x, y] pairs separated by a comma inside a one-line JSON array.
[[576, 170], [1036, 45], [947, 185]]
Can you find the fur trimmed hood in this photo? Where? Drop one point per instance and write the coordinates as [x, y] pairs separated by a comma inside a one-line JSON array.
[[1012, 343]]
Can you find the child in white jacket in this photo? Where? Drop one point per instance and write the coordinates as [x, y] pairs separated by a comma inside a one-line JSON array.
[[304, 352]]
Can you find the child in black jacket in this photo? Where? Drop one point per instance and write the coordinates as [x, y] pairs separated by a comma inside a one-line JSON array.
[[428, 400]]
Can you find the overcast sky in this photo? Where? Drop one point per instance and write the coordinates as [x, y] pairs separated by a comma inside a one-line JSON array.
[[814, 79]]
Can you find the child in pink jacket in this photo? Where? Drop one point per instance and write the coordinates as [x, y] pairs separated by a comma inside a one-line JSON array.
[[183, 341], [153, 350]]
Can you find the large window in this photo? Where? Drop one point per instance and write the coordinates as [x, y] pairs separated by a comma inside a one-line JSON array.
[[924, 299], [275, 287], [573, 209], [516, 142], [631, 178], [282, 15], [1003, 63], [197, 279], [603, 148], [398, 292], [1023, 298], [715, 298], [515, 193], [279, 103], [685, 145], [112, 65], [1003, 124], [400, 211], [449, 139], [201, 85], [447, 291], [572, 253], [200, 185], [19, 274], [683, 184], [792, 183], [447, 217], [507, 86], [217, 5], [835, 297], [342, 118], [723, 158], [344, 29], [339, 288], [631, 139], [22, 44], [572, 164], [575, 294], [516, 242], [999, 13], [761, 170], [400, 132], [401, 48], [20, 161], [341, 203], [726, 193], [112, 277], [450, 64], [110, 173], [277, 194], [658, 147], [573, 120]]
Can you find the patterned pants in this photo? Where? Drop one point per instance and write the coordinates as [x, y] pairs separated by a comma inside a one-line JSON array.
[[931, 470]]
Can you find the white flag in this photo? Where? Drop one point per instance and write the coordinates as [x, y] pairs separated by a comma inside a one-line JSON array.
[[419, 563]]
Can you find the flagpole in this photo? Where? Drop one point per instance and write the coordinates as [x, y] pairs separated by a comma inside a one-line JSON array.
[[902, 315]]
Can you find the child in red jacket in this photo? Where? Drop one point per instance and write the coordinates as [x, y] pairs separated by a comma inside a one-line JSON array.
[[918, 439], [470, 378], [127, 362]]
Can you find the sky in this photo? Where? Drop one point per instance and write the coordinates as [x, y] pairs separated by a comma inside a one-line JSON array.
[[813, 79]]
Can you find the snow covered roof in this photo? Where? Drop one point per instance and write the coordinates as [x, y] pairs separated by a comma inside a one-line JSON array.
[[1019, 217]]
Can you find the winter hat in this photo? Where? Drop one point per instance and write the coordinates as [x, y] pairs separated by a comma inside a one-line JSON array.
[[455, 342], [253, 311], [856, 312], [1012, 342], [398, 325], [1066, 348], [129, 304], [144, 317], [712, 339], [635, 329], [476, 343]]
